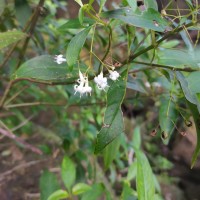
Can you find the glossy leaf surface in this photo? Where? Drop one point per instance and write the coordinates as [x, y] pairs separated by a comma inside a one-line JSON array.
[[150, 19], [75, 46], [113, 119], [46, 69]]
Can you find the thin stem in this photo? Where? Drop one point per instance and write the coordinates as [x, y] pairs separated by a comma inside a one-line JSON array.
[[109, 46], [152, 65], [14, 46], [31, 30], [169, 34]]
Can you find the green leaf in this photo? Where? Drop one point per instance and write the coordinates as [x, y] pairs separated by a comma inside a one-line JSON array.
[[151, 4], [102, 3], [177, 58], [113, 119], [132, 171], [144, 180], [44, 68], [81, 15], [110, 152], [80, 188], [48, 184], [189, 95], [134, 84], [136, 141], [132, 4], [58, 195], [68, 172], [9, 37], [167, 117], [93, 194], [75, 24], [196, 117], [146, 19], [75, 46], [194, 82], [79, 2], [128, 193]]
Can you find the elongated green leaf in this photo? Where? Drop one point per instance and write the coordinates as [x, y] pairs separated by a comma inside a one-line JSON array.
[[75, 24], [194, 82], [128, 193], [167, 118], [46, 69], [150, 19], [58, 195], [132, 171], [177, 58], [196, 117], [151, 4], [80, 188], [75, 46], [102, 3], [113, 119], [9, 37], [48, 184], [68, 172], [144, 179], [93, 194], [189, 94], [81, 15], [136, 141], [134, 84], [132, 4], [110, 152]]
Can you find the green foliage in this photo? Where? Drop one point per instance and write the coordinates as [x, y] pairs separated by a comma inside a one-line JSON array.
[[145, 182], [80, 188], [44, 68], [47, 189], [75, 46], [68, 172], [113, 120], [58, 195], [148, 19], [10, 37], [124, 63]]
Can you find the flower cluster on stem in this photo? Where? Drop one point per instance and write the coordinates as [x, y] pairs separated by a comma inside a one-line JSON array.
[[83, 85]]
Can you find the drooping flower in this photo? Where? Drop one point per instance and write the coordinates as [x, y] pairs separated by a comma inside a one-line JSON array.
[[101, 81], [114, 75], [59, 59], [83, 87]]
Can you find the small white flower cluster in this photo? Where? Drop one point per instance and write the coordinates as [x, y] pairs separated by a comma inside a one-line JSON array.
[[102, 81], [59, 59], [83, 87]]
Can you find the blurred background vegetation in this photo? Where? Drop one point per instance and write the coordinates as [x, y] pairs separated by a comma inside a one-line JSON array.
[[57, 123]]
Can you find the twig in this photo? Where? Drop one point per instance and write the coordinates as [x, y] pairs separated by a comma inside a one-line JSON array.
[[14, 45], [31, 30], [22, 124], [154, 65], [17, 139], [169, 34]]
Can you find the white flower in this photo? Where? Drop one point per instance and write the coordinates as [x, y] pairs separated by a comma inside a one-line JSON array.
[[83, 87], [101, 81], [114, 75], [59, 59]]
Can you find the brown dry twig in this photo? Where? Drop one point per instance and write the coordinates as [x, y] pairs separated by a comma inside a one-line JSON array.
[[17, 139]]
